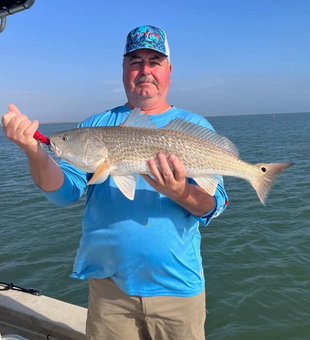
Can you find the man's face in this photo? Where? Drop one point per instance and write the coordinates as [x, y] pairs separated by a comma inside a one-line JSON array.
[[146, 75]]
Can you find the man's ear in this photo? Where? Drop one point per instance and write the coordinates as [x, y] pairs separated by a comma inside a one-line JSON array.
[[170, 70]]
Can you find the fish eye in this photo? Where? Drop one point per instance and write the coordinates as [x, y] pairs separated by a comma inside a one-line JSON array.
[[65, 138], [263, 169]]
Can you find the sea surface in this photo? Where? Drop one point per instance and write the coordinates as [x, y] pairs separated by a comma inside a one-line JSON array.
[[256, 259]]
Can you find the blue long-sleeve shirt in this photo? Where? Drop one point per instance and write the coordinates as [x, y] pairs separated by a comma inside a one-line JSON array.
[[149, 246]]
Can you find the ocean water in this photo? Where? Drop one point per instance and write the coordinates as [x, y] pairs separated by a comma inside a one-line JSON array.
[[256, 259]]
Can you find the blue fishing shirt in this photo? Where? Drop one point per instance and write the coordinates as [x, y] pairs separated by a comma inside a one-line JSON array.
[[149, 246]]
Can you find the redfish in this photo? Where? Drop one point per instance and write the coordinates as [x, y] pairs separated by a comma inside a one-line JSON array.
[[123, 151]]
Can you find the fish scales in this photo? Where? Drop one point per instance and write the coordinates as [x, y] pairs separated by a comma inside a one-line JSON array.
[[135, 146]]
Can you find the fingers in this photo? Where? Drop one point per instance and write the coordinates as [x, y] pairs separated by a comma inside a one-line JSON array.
[[20, 123], [14, 108], [20, 129], [172, 168], [31, 129], [168, 170], [178, 167], [155, 171], [27, 128], [168, 176], [7, 117], [150, 180], [15, 123]]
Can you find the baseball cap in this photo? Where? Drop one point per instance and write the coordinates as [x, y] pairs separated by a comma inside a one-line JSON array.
[[149, 37]]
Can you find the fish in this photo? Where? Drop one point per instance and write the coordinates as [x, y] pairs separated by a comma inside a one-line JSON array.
[[123, 152]]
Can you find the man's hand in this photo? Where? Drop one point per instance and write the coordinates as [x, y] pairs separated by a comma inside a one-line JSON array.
[[19, 129], [169, 182], [173, 184], [45, 171]]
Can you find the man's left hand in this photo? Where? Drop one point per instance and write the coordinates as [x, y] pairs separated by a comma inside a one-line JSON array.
[[169, 182]]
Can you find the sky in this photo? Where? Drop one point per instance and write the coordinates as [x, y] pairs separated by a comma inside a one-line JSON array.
[[61, 60]]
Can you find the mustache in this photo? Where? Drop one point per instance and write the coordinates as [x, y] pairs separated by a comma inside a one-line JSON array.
[[147, 79]]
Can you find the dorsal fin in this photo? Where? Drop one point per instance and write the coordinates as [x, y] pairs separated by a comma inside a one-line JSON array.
[[189, 128], [135, 120]]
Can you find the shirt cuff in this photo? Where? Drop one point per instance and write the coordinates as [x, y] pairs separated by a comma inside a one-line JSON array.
[[206, 218], [221, 202]]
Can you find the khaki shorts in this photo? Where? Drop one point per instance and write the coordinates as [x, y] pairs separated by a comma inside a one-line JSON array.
[[113, 315]]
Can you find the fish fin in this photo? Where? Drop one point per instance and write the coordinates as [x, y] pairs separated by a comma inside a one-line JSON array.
[[127, 185], [184, 126], [135, 120], [101, 174], [263, 183], [208, 183]]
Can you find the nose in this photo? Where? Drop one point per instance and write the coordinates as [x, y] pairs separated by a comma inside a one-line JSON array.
[[145, 69]]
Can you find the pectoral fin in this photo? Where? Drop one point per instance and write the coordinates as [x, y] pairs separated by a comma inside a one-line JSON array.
[[101, 174], [208, 183], [127, 185]]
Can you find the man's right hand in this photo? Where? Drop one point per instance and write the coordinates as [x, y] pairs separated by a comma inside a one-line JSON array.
[[19, 129], [45, 171]]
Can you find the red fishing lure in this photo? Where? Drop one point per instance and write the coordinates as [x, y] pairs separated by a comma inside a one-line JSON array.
[[41, 138]]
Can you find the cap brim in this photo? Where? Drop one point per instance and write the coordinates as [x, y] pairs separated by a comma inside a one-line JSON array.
[[145, 48]]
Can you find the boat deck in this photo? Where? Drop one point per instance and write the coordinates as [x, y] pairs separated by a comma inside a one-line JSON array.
[[40, 317]]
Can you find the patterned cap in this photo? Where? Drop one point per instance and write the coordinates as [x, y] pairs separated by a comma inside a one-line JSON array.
[[149, 37]]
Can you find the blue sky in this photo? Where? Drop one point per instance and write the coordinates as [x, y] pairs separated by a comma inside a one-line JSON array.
[[61, 60]]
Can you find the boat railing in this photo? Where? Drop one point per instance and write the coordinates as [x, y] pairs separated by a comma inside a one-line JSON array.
[[9, 7], [12, 337]]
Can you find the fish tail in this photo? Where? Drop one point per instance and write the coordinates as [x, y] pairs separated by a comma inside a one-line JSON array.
[[264, 182]]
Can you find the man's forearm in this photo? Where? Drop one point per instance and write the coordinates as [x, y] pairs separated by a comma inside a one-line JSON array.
[[197, 201], [45, 171]]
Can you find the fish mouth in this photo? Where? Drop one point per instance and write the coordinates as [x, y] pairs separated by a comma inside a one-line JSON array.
[[54, 148]]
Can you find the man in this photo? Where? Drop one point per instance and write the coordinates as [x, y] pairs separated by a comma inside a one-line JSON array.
[[142, 257]]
